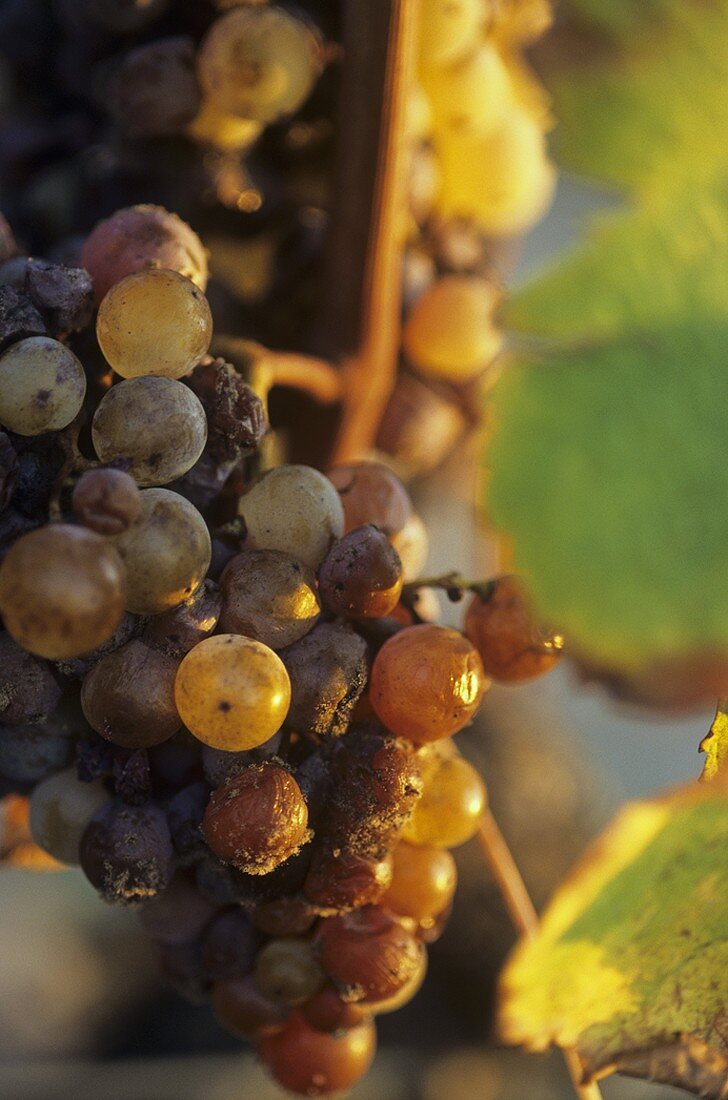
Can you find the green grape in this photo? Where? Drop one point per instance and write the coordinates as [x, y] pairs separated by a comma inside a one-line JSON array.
[[473, 94], [259, 63], [157, 426], [448, 29], [294, 509], [166, 551], [154, 322], [449, 331], [60, 809], [232, 692], [42, 386], [62, 591]]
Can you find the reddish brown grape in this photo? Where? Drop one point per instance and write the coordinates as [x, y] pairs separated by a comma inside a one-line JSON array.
[[503, 630], [310, 1063], [257, 819], [427, 682], [244, 1011], [369, 954], [361, 577], [344, 880], [423, 883], [371, 493], [287, 916], [106, 501], [326, 1011]]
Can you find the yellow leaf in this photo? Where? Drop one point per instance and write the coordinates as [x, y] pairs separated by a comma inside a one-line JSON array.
[[715, 744]]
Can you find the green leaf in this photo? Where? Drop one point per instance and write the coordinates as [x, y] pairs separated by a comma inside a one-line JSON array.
[[607, 452], [715, 745], [630, 965]]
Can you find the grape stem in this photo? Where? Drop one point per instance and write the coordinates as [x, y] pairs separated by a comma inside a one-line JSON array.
[[524, 918], [314, 376], [453, 583]]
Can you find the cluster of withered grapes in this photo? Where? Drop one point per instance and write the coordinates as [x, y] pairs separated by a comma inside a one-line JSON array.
[[220, 693]]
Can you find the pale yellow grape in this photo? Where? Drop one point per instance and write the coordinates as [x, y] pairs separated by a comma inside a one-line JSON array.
[[503, 181], [449, 29], [156, 426], [42, 386], [166, 551], [294, 509], [449, 331], [451, 806], [472, 95], [232, 692], [259, 63], [222, 130], [154, 322], [60, 809]]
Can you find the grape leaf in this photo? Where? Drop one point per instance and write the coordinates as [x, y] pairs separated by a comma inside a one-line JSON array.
[[607, 451], [630, 965], [715, 744]]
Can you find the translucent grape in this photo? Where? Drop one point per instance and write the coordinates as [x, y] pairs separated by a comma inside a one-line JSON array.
[[361, 577], [368, 953], [503, 629], [139, 237], [449, 331], [61, 807], [107, 501], [427, 682], [62, 591], [269, 596], [423, 883], [310, 1063], [259, 63], [448, 29], [166, 552], [42, 386], [224, 131], [472, 95], [154, 322], [156, 426], [451, 805], [232, 692], [371, 493], [128, 696], [258, 819], [294, 509], [286, 970]]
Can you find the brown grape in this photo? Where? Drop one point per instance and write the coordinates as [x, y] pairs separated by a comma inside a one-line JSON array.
[[341, 880], [327, 1012], [128, 696], [368, 953], [106, 501], [427, 682], [371, 493], [286, 916], [361, 577], [310, 1063], [327, 670], [503, 630], [244, 1011], [269, 596]]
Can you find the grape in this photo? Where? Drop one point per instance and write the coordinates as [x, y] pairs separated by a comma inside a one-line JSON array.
[[155, 426], [77, 667], [166, 552], [518, 186], [294, 509], [506, 635], [128, 697], [179, 630], [420, 426], [269, 596], [29, 692], [222, 130], [244, 1011], [427, 682], [286, 970], [423, 883], [236, 417], [369, 954], [259, 63], [361, 576], [409, 990], [371, 493], [176, 916], [449, 332], [176, 762], [155, 89], [257, 819], [327, 670], [126, 852], [342, 880], [232, 692], [448, 29], [61, 807], [327, 1012], [42, 386], [310, 1063], [140, 237], [62, 591], [182, 968], [451, 805], [288, 916], [64, 295], [230, 945], [472, 95], [106, 501], [30, 753], [19, 318], [154, 322], [185, 812], [219, 765]]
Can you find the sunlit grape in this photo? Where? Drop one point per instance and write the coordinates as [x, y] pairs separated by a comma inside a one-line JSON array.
[[423, 883], [294, 509], [42, 386], [502, 627], [472, 95], [449, 332], [448, 29], [224, 131], [269, 596], [154, 322], [286, 970], [452, 803], [310, 1063]]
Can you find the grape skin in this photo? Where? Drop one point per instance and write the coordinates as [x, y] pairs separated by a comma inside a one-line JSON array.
[[294, 509], [60, 808], [42, 386]]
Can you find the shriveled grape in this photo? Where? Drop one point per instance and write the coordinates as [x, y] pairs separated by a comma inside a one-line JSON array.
[[154, 322], [155, 426], [503, 629], [232, 692], [327, 670], [126, 852], [42, 386], [128, 697], [368, 953], [179, 630], [361, 577], [29, 692]]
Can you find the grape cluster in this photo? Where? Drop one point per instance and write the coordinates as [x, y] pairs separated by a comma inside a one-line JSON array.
[[233, 714]]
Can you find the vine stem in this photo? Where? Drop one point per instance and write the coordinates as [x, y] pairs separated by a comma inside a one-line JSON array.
[[524, 918], [314, 376]]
